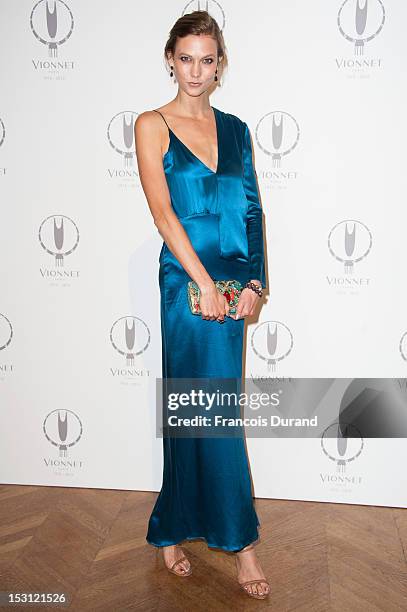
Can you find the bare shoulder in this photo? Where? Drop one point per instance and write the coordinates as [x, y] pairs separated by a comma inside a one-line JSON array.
[[147, 121], [150, 132]]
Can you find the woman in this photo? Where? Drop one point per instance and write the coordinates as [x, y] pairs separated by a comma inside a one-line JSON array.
[[196, 169]]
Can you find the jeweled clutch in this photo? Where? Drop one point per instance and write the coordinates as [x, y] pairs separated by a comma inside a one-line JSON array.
[[231, 289]]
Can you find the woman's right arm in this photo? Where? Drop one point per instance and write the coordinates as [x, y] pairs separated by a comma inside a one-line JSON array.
[[148, 132]]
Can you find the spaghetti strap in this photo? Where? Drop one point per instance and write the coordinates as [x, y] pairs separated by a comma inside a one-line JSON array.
[[157, 111]]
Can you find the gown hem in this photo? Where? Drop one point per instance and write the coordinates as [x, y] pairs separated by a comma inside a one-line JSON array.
[[210, 545]]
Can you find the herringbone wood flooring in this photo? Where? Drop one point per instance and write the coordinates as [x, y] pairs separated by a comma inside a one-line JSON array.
[[90, 544]]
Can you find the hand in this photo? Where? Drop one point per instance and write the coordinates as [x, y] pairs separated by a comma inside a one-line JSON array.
[[214, 306], [247, 303]]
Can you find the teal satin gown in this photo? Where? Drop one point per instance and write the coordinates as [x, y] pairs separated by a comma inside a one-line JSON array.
[[206, 487]]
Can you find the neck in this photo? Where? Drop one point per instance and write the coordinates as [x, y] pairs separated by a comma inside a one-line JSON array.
[[191, 106]]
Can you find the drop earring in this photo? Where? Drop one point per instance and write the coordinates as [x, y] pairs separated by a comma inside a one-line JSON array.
[[216, 74], [171, 73]]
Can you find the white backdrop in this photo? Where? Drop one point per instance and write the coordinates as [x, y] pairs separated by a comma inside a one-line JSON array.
[[77, 394]]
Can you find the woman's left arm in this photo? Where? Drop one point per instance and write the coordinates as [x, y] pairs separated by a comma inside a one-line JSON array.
[[254, 228]]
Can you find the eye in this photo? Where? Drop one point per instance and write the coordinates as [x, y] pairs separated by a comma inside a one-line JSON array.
[[208, 60], [183, 57]]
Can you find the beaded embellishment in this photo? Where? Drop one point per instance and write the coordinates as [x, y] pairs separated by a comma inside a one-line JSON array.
[[231, 289]]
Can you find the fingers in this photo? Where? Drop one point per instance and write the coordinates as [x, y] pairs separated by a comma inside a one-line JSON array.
[[217, 311], [220, 317], [226, 306], [246, 307], [247, 304]]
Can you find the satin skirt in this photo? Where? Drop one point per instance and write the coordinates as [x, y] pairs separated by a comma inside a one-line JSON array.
[[206, 488]]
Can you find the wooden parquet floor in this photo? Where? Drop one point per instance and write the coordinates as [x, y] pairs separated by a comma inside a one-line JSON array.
[[90, 544]]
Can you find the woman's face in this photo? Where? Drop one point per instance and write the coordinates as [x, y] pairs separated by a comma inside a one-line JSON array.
[[195, 62]]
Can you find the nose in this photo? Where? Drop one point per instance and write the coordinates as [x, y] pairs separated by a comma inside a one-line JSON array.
[[195, 71]]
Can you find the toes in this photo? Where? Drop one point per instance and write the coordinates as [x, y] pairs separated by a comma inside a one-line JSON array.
[[185, 565], [265, 589]]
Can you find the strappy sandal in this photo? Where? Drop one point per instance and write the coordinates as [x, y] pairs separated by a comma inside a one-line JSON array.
[[258, 582], [174, 565]]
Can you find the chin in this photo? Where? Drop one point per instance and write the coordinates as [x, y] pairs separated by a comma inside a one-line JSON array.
[[195, 90]]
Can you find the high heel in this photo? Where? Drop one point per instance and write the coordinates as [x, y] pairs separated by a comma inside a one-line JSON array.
[[174, 565], [258, 582]]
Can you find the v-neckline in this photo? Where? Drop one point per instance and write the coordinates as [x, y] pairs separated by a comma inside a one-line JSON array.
[[214, 172]]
